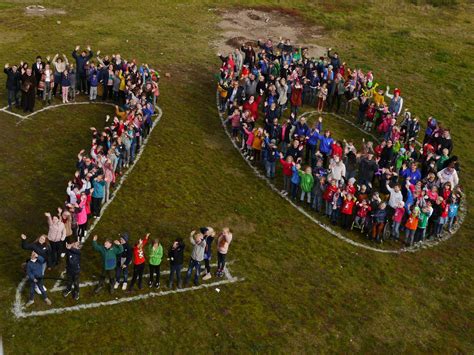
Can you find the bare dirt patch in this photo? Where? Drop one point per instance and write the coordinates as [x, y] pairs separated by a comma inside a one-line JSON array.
[[239, 26], [39, 10]]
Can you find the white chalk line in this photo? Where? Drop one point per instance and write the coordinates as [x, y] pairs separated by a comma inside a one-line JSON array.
[[228, 279], [18, 303], [428, 243], [299, 208], [94, 283]]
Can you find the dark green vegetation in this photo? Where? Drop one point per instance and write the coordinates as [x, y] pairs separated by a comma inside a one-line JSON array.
[[304, 289]]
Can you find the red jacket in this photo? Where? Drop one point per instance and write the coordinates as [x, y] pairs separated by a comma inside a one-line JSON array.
[[296, 96], [347, 206], [363, 210], [329, 192], [336, 150], [286, 167], [139, 252], [253, 107]]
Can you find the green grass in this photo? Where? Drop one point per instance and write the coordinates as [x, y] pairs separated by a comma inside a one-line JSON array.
[[305, 290]]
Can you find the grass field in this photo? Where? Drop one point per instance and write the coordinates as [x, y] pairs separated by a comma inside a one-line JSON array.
[[304, 290]]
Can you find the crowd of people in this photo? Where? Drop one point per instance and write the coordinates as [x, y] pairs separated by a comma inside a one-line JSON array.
[[112, 150], [389, 188], [110, 77]]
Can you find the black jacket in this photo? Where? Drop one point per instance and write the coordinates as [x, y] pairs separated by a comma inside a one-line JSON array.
[[127, 254], [43, 250], [13, 79], [73, 260], [176, 256]]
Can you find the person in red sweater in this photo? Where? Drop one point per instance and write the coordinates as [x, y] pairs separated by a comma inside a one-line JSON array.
[[347, 207], [363, 209], [296, 97], [252, 105], [138, 262], [287, 173], [328, 194], [336, 149]]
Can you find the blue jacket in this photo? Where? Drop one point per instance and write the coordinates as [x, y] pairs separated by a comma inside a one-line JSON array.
[[73, 260], [453, 210], [302, 130], [94, 77], [325, 145], [379, 216], [295, 178], [81, 61], [65, 81], [414, 176], [34, 270], [314, 135]]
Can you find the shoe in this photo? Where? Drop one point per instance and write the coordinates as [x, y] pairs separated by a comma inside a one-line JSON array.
[[150, 284], [116, 285], [29, 303], [63, 255], [48, 301], [66, 293], [98, 289], [37, 290], [76, 297], [157, 285], [207, 276], [124, 286], [83, 240]]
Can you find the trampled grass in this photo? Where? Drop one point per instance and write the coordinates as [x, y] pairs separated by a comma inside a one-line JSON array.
[[305, 291]]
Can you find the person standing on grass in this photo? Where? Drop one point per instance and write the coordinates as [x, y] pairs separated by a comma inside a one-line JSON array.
[[73, 269], [223, 242], [155, 254], [60, 66], [35, 273], [28, 90], [139, 259], [108, 252], [209, 235], [81, 60], [56, 235], [197, 255], [65, 85], [12, 85], [176, 258], [98, 193], [123, 261], [41, 247]]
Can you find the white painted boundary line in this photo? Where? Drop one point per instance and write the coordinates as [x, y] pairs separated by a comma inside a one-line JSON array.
[[299, 208], [445, 235], [17, 307], [229, 279]]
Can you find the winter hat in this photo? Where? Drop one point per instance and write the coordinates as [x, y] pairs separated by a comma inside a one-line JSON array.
[[124, 236]]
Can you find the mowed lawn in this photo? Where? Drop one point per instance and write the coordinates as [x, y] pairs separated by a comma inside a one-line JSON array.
[[304, 290]]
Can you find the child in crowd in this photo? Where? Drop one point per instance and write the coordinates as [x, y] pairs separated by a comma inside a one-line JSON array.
[[108, 251], [155, 254]]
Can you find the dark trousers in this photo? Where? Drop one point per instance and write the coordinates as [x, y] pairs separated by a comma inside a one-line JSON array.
[[137, 274], [154, 270], [207, 265], [81, 82], [81, 230], [220, 262], [28, 100], [346, 220], [175, 269], [109, 274], [72, 283], [96, 204], [56, 249]]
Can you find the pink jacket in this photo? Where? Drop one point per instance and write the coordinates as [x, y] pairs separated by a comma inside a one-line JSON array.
[[250, 137], [81, 217]]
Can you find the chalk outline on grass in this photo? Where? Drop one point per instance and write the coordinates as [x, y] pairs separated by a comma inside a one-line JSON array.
[[17, 306], [427, 244], [20, 313]]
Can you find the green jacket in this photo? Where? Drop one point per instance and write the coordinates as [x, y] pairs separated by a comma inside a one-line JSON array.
[[109, 256], [155, 255], [423, 219], [307, 181]]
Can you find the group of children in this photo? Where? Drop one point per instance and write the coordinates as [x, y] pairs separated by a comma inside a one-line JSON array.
[[382, 189], [106, 76]]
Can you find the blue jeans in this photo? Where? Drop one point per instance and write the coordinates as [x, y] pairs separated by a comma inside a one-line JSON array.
[[175, 269], [396, 230], [119, 272], [33, 285], [270, 168], [317, 202], [193, 264], [13, 97], [294, 190]]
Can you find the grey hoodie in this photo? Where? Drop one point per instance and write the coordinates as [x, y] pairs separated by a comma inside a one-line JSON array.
[[198, 249]]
